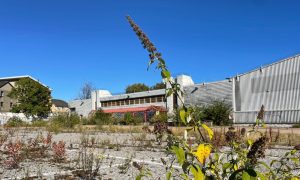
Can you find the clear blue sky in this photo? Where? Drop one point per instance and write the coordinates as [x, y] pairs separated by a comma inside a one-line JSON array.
[[65, 43]]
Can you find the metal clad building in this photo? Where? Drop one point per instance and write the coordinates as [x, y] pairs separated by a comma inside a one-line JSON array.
[[276, 86]]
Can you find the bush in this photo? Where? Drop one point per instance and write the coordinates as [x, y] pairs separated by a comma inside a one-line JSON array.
[[129, 119], [39, 123], [161, 117], [100, 118], [65, 120], [218, 112], [15, 122]]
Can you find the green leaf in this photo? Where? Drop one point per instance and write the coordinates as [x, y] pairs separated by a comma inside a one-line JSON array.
[[226, 166], [139, 177], [196, 171], [251, 172], [293, 152], [183, 115], [261, 176], [233, 175], [184, 176], [166, 74], [179, 154], [295, 160], [246, 176], [208, 130], [169, 92], [168, 175]]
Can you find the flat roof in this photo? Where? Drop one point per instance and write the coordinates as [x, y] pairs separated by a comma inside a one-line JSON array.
[[134, 95]]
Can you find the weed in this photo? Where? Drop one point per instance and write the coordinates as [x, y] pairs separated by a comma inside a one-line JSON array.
[[59, 151], [125, 166], [14, 154]]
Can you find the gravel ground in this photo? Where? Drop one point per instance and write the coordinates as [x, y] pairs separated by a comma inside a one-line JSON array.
[[133, 147]]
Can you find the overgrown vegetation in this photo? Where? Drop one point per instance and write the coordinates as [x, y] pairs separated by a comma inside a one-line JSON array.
[[63, 121], [141, 87], [34, 99], [218, 112], [15, 122], [242, 161]]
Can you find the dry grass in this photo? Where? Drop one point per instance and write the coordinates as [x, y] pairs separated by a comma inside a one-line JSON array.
[[277, 136]]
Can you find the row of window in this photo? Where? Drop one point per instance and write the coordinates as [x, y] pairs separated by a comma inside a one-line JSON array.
[[153, 99]]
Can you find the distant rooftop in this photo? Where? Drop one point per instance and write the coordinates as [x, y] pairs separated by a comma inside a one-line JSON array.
[[59, 103], [16, 78]]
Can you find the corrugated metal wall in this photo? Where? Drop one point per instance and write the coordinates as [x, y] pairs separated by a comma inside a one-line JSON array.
[[276, 86], [200, 94]]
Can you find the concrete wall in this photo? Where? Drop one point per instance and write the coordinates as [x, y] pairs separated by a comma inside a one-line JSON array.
[[81, 107], [96, 96], [6, 89], [5, 116]]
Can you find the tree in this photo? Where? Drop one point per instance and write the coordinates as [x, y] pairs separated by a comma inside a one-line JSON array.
[[138, 87], [86, 91], [33, 98], [159, 86]]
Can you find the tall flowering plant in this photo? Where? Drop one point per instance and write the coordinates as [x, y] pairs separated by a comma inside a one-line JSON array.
[[243, 159]]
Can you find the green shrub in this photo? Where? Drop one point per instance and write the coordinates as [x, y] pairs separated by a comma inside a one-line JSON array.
[[129, 119], [218, 112], [54, 126], [15, 122], [65, 120], [39, 123], [100, 118], [161, 117]]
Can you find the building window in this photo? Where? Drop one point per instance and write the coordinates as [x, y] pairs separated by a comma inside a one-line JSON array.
[[1, 104], [11, 105], [131, 101], [136, 101], [1, 93], [153, 99], [122, 103], [142, 101], [148, 100], [160, 99]]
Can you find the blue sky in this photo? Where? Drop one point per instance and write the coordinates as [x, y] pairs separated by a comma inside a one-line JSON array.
[[65, 43]]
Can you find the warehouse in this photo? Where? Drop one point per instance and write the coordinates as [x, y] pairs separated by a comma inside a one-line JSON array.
[[276, 86]]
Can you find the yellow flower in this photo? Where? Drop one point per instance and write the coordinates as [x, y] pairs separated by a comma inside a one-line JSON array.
[[202, 153], [209, 131]]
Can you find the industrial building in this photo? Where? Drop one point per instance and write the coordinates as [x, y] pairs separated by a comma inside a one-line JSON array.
[[276, 86]]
